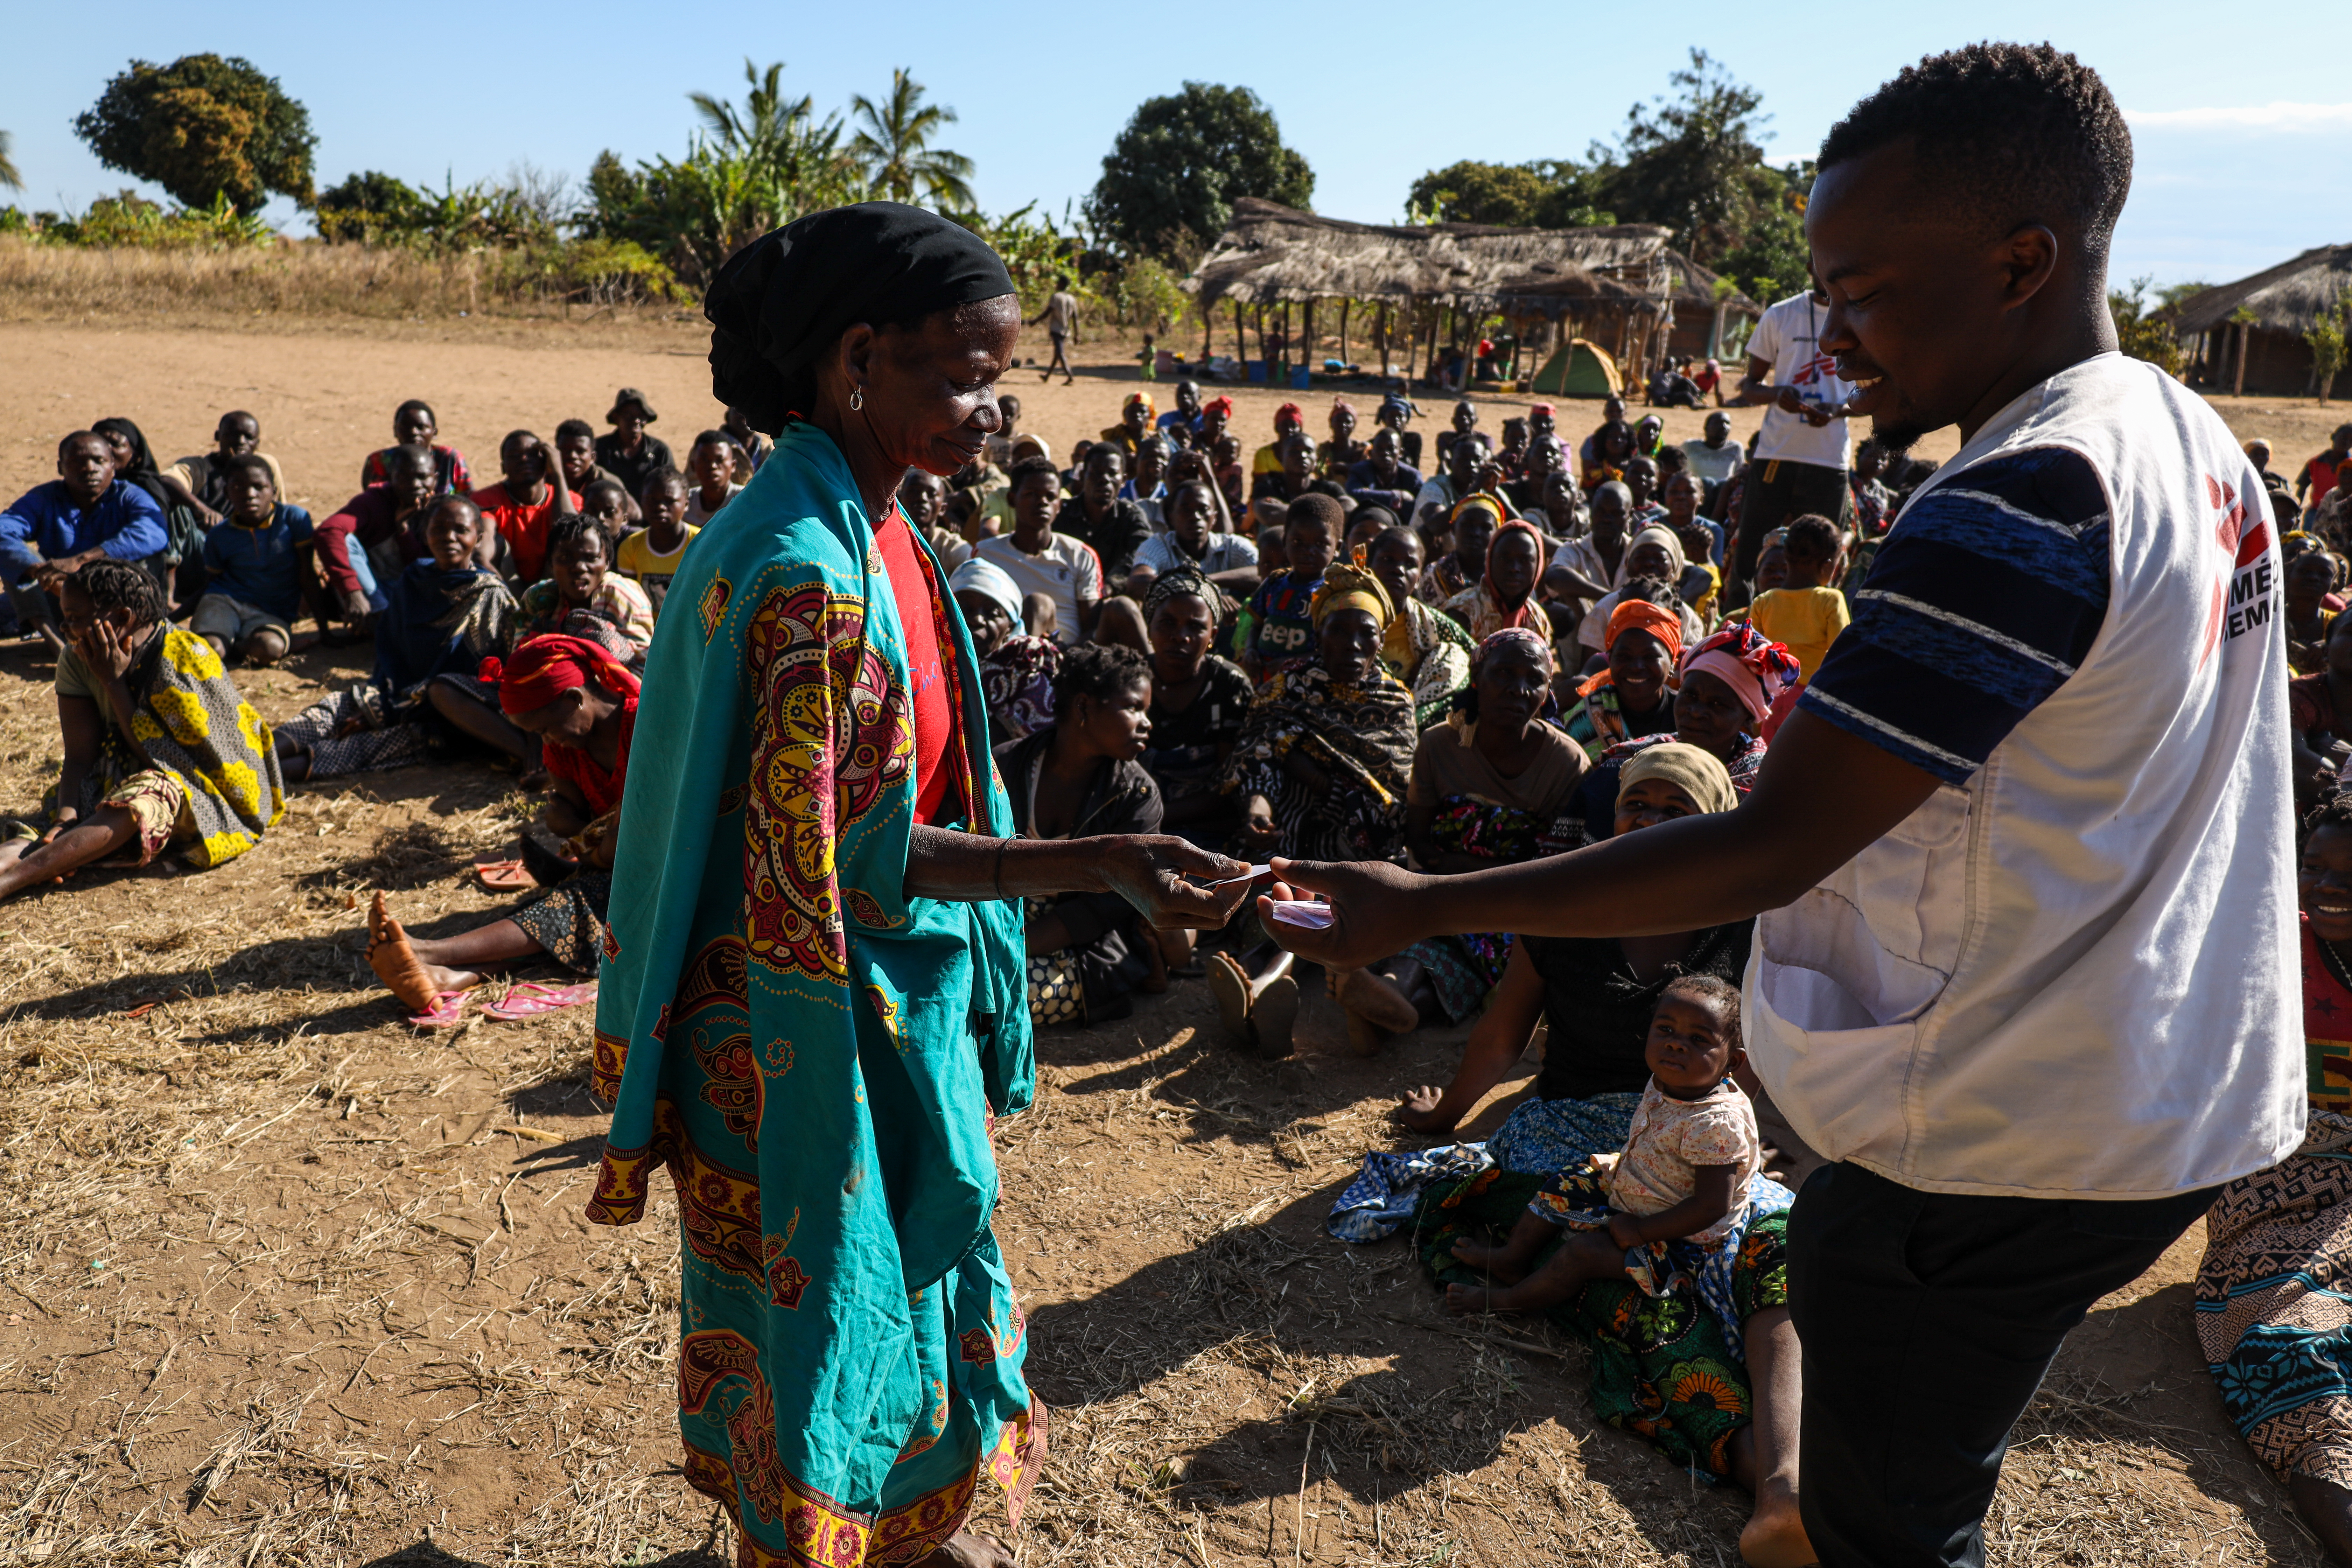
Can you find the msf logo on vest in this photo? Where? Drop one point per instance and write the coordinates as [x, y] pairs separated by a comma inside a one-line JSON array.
[[2241, 599]]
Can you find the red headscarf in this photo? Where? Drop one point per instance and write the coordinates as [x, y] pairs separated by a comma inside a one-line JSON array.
[[1223, 405], [545, 668], [1291, 411]]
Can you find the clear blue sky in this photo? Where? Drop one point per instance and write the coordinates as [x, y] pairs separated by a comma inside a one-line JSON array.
[[2241, 140]]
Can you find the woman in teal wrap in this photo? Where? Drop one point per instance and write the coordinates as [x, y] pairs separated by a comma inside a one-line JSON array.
[[813, 1007]]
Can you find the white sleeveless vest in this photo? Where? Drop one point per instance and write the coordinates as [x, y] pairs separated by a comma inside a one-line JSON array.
[[2077, 977]]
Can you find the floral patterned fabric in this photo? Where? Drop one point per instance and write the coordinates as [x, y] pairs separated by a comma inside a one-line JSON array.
[[1663, 1368], [199, 734], [816, 1056], [1016, 681]]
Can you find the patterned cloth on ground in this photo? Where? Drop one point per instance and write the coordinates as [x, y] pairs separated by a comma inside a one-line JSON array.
[[1387, 1189], [2275, 1305], [372, 744], [1662, 1368], [1578, 1199]]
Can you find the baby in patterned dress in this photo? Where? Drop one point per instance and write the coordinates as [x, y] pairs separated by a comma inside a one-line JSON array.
[[1654, 1211]]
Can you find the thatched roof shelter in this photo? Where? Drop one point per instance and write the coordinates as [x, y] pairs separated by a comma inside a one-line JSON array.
[[2288, 297], [2266, 354], [1272, 254]]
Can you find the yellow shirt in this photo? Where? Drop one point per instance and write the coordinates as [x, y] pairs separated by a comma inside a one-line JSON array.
[[1807, 620], [636, 558]]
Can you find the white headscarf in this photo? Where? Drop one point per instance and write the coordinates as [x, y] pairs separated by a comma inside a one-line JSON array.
[[993, 583], [1664, 535]]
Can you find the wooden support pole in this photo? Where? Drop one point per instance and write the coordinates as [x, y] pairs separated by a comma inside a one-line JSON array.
[[1344, 304]]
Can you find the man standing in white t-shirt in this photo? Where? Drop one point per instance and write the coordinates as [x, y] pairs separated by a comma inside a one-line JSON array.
[[1061, 319], [1803, 449], [2022, 857]]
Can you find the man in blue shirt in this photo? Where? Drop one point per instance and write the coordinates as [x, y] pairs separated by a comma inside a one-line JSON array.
[[258, 560], [84, 514]]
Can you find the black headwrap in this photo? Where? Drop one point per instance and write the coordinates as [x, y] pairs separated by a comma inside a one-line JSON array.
[[785, 299], [141, 470], [1184, 579]]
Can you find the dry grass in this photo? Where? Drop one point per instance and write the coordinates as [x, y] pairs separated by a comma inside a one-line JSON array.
[[49, 282], [285, 1282]]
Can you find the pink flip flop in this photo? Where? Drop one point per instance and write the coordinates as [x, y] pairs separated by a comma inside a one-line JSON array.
[[530, 998], [447, 1015]]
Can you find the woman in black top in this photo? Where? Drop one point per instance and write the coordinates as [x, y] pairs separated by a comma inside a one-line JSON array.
[[1198, 703], [1597, 994], [1076, 778]]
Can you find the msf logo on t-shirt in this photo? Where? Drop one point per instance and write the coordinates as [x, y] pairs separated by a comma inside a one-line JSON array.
[[1814, 371], [2241, 599]]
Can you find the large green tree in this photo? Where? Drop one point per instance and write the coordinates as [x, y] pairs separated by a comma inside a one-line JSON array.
[[1694, 163], [8, 174], [204, 128], [1184, 160], [1551, 194], [894, 144]]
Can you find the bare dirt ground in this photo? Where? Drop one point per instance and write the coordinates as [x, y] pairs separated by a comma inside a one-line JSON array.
[[285, 1281]]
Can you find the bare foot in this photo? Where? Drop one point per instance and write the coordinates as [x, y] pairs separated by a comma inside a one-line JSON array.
[[1774, 1537], [1463, 1300], [967, 1548], [416, 983], [1377, 1002], [1495, 1262]]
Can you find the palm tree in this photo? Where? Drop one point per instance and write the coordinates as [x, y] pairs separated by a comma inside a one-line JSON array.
[[780, 139], [8, 174], [894, 144], [767, 120]]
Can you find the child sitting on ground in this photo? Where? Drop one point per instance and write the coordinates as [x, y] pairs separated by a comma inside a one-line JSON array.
[[1654, 1211], [649, 557], [1273, 627], [443, 615], [582, 596], [607, 501], [1807, 614], [160, 751], [258, 560], [711, 466]]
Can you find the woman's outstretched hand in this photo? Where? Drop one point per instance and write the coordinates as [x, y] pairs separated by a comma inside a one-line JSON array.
[[1373, 909], [1149, 871]]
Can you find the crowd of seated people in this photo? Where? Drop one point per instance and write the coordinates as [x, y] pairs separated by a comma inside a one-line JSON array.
[[508, 623], [1317, 651]]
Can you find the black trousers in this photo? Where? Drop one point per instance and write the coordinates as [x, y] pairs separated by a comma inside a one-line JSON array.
[[1928, 1320], [1778, 492]]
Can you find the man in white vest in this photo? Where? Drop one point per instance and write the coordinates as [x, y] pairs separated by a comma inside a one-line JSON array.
[[2023, 857]]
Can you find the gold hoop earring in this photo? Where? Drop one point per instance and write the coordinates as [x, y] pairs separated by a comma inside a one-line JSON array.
[[856, 398]]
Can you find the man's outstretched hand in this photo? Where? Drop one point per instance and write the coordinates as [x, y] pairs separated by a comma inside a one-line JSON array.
[[1373, 910]]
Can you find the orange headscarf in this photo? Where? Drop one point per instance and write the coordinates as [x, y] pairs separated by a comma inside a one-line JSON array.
[[1639, 616]]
